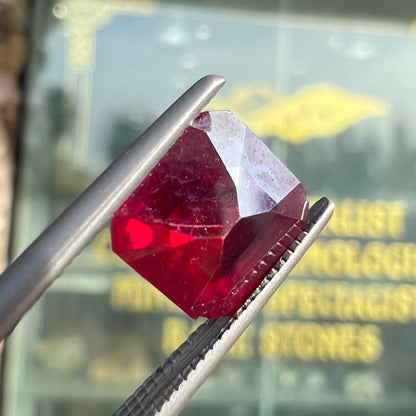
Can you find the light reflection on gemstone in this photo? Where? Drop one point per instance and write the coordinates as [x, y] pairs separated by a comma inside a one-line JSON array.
[[212, 218], [252, 199], [141, 235], [176, 238], [250, 163]]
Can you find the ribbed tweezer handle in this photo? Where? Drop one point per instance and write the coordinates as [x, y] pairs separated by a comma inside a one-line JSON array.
[[149, 398], [157, 390]]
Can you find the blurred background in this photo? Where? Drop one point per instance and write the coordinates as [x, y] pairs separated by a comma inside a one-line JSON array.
[[330, 86]]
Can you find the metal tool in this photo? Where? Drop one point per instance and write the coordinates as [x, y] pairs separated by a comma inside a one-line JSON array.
[[28, 277], [168, 390]]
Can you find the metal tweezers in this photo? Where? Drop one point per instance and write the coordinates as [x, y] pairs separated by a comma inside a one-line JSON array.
[[171, 386]]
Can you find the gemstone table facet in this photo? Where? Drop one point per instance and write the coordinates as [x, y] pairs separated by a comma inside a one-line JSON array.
[[212, 218]]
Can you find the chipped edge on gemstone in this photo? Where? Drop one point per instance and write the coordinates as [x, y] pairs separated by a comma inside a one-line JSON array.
[[203, 121]]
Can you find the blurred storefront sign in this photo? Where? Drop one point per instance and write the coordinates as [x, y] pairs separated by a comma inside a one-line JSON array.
[[333, 97]]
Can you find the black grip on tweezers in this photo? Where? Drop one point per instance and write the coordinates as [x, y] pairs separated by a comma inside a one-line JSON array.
[[149, 398]]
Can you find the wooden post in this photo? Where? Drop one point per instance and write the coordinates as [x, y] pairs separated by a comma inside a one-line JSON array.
[[13, 47]]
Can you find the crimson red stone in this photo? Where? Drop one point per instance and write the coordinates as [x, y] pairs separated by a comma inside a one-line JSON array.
[[212, 218]]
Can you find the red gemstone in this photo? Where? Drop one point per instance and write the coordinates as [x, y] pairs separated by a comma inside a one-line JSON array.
[[212, 218]]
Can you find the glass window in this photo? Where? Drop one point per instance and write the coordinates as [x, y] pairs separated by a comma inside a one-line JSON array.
[[330, 87]]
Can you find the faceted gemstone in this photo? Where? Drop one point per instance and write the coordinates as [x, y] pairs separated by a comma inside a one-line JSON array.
[[212, 218]]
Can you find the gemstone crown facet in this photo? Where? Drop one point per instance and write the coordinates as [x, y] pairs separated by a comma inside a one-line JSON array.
[[212, 218]]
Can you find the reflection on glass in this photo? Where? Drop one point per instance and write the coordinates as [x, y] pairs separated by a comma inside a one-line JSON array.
[[333, 101]]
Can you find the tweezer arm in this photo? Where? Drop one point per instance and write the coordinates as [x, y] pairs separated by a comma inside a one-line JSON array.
[[171, 386], [44, 260]]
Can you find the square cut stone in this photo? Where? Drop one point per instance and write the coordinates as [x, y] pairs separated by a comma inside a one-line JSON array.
[[212, 218]]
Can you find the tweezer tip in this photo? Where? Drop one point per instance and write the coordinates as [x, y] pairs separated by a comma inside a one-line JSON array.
[[214, 81]]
